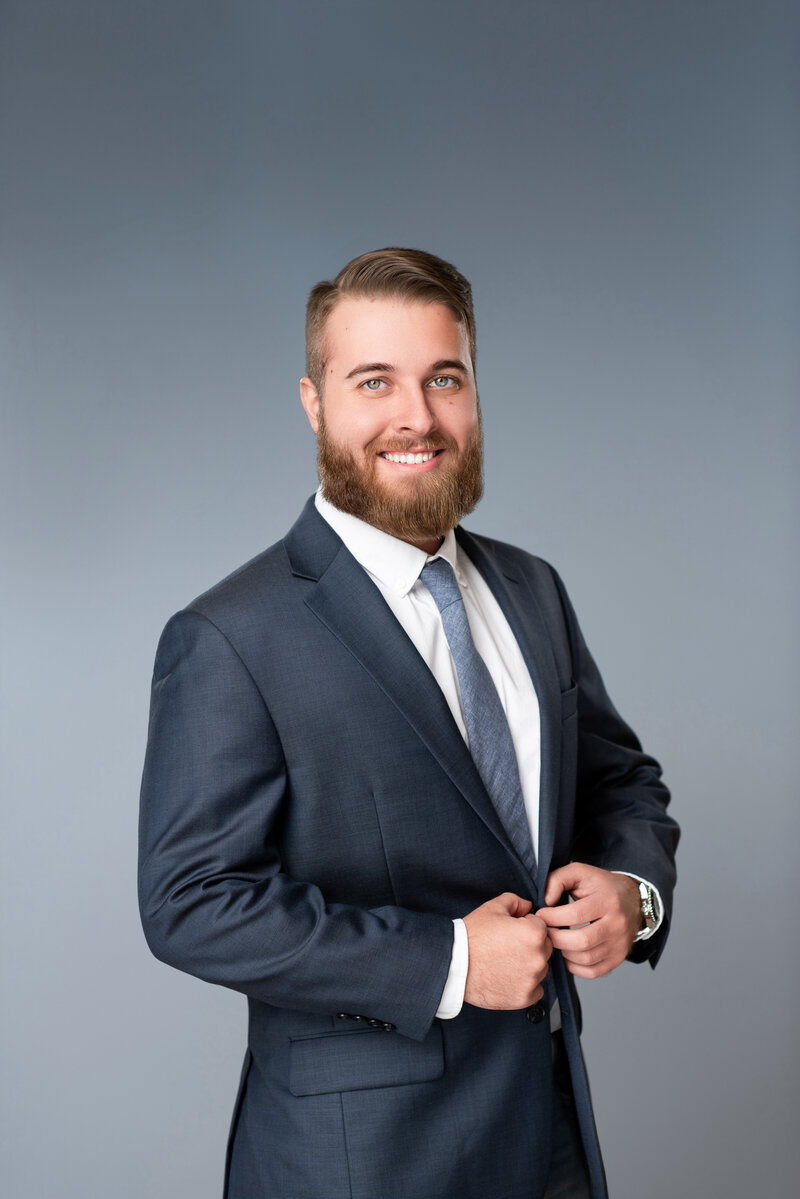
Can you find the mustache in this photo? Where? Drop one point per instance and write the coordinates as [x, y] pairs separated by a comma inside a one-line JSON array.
[[402, 445]]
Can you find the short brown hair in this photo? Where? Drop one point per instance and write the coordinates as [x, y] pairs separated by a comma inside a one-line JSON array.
[[411, 274]]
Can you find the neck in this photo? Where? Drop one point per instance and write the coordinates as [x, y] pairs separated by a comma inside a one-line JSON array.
[[428, 545]]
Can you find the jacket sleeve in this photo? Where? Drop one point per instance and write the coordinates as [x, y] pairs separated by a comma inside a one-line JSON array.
[[213, 897], [621, 821]]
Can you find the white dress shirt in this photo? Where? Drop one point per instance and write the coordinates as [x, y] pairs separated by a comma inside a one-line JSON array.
[[394, 567]]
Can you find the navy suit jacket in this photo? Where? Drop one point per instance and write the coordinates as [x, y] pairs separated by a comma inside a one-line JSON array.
[[312, 821]]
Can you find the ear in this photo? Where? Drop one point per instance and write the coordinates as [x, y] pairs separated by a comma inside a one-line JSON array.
[[309, 398]]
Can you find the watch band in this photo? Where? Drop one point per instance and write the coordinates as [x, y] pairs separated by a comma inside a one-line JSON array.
[[649, 913]]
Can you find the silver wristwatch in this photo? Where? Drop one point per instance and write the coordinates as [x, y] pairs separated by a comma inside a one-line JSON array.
[[649, 910]]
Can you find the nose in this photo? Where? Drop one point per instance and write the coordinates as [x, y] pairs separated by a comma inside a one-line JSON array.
[[413, 414]]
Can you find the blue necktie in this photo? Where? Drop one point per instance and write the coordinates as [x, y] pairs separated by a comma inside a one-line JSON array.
[[487, 727]]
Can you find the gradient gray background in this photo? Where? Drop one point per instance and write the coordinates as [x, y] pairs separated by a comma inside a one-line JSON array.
[[619, 180]]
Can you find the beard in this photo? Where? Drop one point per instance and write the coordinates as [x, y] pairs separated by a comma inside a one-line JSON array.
[[428, 506]]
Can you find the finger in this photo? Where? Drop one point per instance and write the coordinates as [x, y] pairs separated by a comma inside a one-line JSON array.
[[568, 915], [579, 940], [600, 970], [586, 957], [547, 947], [542, 932]]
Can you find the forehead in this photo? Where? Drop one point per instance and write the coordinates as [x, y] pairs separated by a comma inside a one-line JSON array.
[[393, 330]]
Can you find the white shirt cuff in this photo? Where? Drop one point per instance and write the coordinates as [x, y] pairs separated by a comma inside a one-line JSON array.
[[453, 994], [646, 934]]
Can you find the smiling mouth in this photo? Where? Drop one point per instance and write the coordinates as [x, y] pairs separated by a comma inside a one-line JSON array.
[[409, 459]]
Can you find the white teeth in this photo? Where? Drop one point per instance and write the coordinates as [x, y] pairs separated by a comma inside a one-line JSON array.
[[409, 459]]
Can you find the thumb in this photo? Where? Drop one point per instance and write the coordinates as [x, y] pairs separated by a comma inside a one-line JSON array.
[[561, 880], [513, 905]]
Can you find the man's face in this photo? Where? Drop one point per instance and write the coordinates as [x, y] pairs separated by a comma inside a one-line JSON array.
[[398, 425]]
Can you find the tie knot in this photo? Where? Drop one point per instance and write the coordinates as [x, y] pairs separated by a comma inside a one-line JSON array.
[[440, 580]]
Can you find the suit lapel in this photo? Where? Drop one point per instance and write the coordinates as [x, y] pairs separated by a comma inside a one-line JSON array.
[[350, 605], [522, 611]]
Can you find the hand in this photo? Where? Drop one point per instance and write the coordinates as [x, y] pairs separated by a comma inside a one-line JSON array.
[[609, 907], [508, 953]]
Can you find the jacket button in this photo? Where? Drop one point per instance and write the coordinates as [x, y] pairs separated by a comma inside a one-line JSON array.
[[342, 1016], [387, 1027], [374, 1023], [536, 1013]]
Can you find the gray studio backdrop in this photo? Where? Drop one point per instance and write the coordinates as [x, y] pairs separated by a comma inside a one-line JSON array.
[[619, 180]]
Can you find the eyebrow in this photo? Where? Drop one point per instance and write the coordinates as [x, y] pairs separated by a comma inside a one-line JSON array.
[[449, 364], [370, 368], [377, 368]]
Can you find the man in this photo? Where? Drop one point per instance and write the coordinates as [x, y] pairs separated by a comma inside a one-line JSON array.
[[380, 761]]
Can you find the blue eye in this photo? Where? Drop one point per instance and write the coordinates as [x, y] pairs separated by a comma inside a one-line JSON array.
[[442, 381], [372, 384]]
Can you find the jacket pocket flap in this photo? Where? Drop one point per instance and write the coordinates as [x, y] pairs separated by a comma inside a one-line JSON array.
[[353, 1061]]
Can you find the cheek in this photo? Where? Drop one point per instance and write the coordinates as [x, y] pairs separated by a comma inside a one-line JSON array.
[[460, 425], [367, 431], [356, 430]]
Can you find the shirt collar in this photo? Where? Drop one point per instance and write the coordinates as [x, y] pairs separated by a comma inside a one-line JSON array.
[[394, 563]]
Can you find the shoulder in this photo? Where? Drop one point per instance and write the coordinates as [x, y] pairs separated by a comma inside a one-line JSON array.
[[277, 576], [248, 584], [255, 593], [262, 600], [225, 618]]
